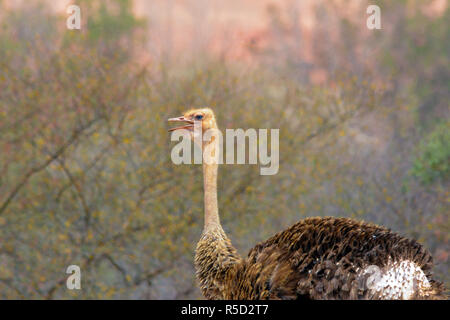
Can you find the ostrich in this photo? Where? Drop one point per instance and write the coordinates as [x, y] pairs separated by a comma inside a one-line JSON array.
[[316, 258]]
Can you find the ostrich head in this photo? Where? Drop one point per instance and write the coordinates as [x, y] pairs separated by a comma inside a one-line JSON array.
[[205, 116]]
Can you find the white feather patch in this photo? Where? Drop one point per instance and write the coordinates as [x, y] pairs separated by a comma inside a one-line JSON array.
[[397, 280]]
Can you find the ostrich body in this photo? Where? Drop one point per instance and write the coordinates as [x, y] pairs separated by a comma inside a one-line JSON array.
[[316, 258]]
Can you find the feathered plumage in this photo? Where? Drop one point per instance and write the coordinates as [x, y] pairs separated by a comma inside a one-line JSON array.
[[316, 258]]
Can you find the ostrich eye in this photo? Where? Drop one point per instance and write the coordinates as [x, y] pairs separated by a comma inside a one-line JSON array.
[[198, 117]]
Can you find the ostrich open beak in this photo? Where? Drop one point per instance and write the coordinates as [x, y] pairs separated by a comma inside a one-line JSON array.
[[190, 124]]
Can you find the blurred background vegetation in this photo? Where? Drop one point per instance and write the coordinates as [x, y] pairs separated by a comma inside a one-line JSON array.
[[85, 170]]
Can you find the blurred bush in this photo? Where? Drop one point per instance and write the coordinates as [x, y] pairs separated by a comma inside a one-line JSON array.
[[433, 159]]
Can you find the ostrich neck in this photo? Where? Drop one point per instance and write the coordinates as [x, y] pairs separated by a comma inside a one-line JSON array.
[[212, 220], [215, 256]]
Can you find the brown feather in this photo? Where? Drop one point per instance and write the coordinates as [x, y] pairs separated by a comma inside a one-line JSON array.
[[316, 258]]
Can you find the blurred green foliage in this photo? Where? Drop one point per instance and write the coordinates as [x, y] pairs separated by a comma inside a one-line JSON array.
[[433, 160]]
